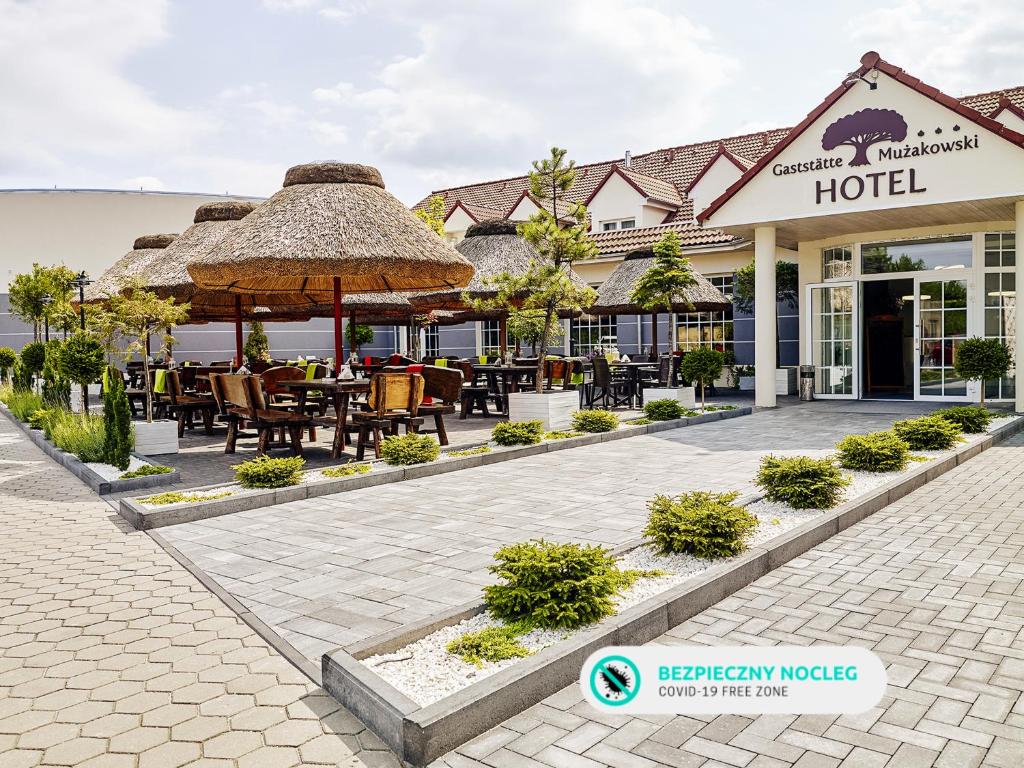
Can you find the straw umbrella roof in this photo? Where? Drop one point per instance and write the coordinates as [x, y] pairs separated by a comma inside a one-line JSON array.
[[613, 297], [492, 246], [129, 266], [330, 219]]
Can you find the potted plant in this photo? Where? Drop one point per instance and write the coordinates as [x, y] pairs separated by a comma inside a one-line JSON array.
[[358, 335], [137, 314], [702, 366], [257, 345], [982, 360], [786, 292], [546, 286], [82, 362]]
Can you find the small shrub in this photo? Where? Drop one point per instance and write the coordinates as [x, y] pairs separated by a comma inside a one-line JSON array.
[[409, 449], [346, 470], [699, 523], [663, 410], [178, 497], [23, 404], [642, 421], [595, 421], [628, 578], [552, 585], [702, 366], [267, 472], [801, 482], [874, 452], [33, 357], [470, 451], [517, 432], [81, 361], [145, 471], [40, 419], [969, 418], [982, 360], [8, 357], [720, 408], [928, 433], [491, 644], [119, 437], [561, 434], [78, 434]]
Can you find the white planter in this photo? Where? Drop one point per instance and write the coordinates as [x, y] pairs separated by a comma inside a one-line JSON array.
[[155, 438], [554, 409], [785, 381], [725, 380], [95, 404], [747, 383], [685, 396]]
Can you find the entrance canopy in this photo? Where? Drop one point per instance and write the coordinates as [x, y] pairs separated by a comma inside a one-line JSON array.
[[883, 151]]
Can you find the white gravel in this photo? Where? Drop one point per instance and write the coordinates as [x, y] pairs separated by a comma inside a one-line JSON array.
[[110, 472]]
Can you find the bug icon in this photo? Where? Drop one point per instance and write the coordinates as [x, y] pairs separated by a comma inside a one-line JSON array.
[[614, 681]]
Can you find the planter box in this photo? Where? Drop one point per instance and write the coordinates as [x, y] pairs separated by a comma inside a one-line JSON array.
[[785, 381], [554, 409], [95, 404], [155, 438], [685, 396], [746, 383], [725, 380]]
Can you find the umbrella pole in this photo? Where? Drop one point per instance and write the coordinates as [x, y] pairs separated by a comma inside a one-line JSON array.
[[503, 334], [654, 334], [339, 347], [238, 331]]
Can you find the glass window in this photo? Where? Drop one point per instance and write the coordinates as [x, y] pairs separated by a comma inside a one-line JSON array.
[[431, 341], [490, 337], [836, 262], [627, 224], [609, 226], [952, 252], [943, 321], [1000, 316], [832, 340], [589, 331], [708, 329], [1000, 249]]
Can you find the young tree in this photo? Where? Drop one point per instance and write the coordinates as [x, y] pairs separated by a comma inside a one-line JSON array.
[[433, 214], [862, 129], [82, 362], [526, 326], [662, 285], [982, 360], [27, 295], [358, 335], [786, 291], [702, 366], [257, 345], [8, 357], [137, 314], [117, 421], [547, 284]]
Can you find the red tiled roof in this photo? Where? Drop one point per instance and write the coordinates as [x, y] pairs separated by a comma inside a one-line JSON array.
[[868, 62], [740, 162], [690, 236], [648, 186], [475, 212]]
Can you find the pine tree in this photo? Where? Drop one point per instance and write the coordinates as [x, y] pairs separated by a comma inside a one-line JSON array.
[[662, 285]]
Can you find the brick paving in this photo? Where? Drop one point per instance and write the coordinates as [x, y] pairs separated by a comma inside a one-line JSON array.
[[934, 584], [326, 572], [111, 654]]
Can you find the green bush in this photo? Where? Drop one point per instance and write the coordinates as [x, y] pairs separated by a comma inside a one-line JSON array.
[[702, 366], [663, 410], [346, 470], [267, 472], [33, 357], [801, 482], [409, 449], [118, 437], [641, 422], [561, 434], [23, 404], [982, 360], [8, 357], [56, 388], [358, 335], [552, 585], [145, 471], [81, 361], [969, 418], [928, 433], [257, 345], [78, 434], [40, 419], [469, 451], [178, 497], [874, 452], [699, 523], [491, 644], [518, 432], [21, 377], [595, 421]]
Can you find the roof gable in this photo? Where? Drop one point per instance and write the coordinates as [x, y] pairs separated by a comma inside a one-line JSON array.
[[894, 114]]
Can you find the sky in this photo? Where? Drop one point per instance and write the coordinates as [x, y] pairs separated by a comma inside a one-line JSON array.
[[224, 95]]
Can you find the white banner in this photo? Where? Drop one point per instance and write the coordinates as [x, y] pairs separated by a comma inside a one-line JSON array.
[[658, 679]]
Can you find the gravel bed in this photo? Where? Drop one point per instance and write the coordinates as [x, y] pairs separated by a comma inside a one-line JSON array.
[[110, 472]]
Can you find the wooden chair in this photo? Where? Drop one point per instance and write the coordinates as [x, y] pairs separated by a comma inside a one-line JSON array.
[[557, 373], [229, 393], [268, 419], [183, 406], [444, 387], [473, 395], [394, 398]]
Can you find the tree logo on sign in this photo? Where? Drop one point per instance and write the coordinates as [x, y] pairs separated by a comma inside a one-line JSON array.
[[862, 129]]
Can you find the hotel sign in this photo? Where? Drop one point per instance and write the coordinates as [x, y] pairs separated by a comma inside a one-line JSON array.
[[879, 135]]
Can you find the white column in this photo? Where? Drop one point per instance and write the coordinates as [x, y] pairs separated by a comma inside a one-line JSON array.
[[764, 317], [1018, 346]]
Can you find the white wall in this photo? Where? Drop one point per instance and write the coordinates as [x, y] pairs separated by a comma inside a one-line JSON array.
[[617, 199], [722, 173]]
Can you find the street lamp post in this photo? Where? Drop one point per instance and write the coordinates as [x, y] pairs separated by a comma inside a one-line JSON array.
[[81, 280], [46, 300]]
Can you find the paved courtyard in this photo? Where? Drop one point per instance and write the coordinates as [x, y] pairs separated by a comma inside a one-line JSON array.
[[112, 655], [934, 584], [328, 571]]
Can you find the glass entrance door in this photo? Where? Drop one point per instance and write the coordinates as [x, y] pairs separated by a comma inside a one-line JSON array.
[[833, 340], [941, 324]]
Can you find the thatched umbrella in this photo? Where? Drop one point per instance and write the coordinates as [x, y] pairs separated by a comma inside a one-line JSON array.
[[131, 265], [492, 246], [332, 229], [613, 297]]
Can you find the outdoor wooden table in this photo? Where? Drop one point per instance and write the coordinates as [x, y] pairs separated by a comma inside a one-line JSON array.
[[366, 369], [340, 392], [509, 376], [633, 369]]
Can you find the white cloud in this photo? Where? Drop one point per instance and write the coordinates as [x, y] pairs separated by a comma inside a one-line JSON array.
[[964, 47], [328, 134], [65, 91]]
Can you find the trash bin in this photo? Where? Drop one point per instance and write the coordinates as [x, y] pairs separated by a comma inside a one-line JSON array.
[[806, 382]]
